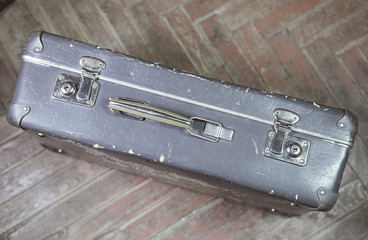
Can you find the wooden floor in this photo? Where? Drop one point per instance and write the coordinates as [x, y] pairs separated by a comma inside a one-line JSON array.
[[312, 49]]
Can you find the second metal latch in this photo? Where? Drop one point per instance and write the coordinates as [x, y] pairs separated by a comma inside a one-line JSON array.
[[83, 89], [281, 145]]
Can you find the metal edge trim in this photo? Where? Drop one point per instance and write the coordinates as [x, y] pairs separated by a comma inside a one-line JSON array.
[[186, 100]]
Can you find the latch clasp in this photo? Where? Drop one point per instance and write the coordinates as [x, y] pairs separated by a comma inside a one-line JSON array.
[[281, 145], [83, 89]]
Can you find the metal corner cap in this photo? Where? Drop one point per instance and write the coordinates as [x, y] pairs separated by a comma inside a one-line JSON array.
[[16, 112], [34, 42], [327, 199], [348, 122]]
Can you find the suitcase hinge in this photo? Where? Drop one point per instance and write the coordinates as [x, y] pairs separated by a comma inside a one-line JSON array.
[[281, 145], [80, 90]]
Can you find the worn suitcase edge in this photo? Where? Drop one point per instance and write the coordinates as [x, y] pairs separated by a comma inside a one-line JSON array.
[[348, 122]]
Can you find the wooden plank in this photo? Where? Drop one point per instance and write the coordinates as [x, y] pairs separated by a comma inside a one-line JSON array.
[[204, 221], [42, 195], [2, 108], [325, 19], [162, 6], [75, 206], [352, 226], [239, 13], [350, 196], [199, 9], [343, 90], [55, 12], [170, 211], [260, 224], [358, 160], [107, 220], [132, 42], [249, 224], [17, 22], [7, 131], [98, 32], [343, 35], [18, 150], [265, 62], [300, 70], [30, 173], [357, 66], [285, 16], [205, 61], [236, 64], [158, 37], [8, 76]]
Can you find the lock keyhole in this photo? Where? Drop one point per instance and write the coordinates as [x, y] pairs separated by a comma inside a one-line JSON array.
[[293, 149], [67, 88]]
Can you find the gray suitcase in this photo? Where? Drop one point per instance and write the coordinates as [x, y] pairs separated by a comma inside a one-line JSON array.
[[269, 150]]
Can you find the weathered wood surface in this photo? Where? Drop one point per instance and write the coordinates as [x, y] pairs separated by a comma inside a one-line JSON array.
[[316, 50]]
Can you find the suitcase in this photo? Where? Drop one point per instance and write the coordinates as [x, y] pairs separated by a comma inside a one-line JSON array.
[[258, 147]]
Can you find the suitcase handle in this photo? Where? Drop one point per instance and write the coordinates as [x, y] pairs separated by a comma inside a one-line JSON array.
[[199, 127]]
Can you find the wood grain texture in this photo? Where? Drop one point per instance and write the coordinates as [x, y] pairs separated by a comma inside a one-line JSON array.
[[49, 191], [18, 150], [30, 173], [74, 207], [106, 221], [353, 226], [7, 131]]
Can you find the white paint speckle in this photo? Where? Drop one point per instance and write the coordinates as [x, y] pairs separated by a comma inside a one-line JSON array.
[[162, 158], [263, 70], [131, 151], [132, 74], [97, 146], [294, 99], [326, 109], [71, 45], [188, 90], [286, 96], [113, 146], [237, 103], [296, 197], [255, 146], [315, 104]]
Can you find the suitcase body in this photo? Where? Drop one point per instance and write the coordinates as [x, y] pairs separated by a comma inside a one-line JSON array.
[[262, 148]]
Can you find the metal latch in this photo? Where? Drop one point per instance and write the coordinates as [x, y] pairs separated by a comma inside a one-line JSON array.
[[281, 145], [82, 89]]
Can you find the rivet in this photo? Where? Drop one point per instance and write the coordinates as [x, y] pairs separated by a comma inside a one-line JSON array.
[[273, 210], [60, 150], [37, 49], [61, 77], [305, 144], [277, 113], [271, 134], [301, 161], [94, 85], [25, 108], [323, 192], [89, 102], [55, 94], [267, 151], [342, 125]]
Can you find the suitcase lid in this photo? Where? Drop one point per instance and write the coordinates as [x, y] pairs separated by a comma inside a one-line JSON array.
[[328, 123]]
